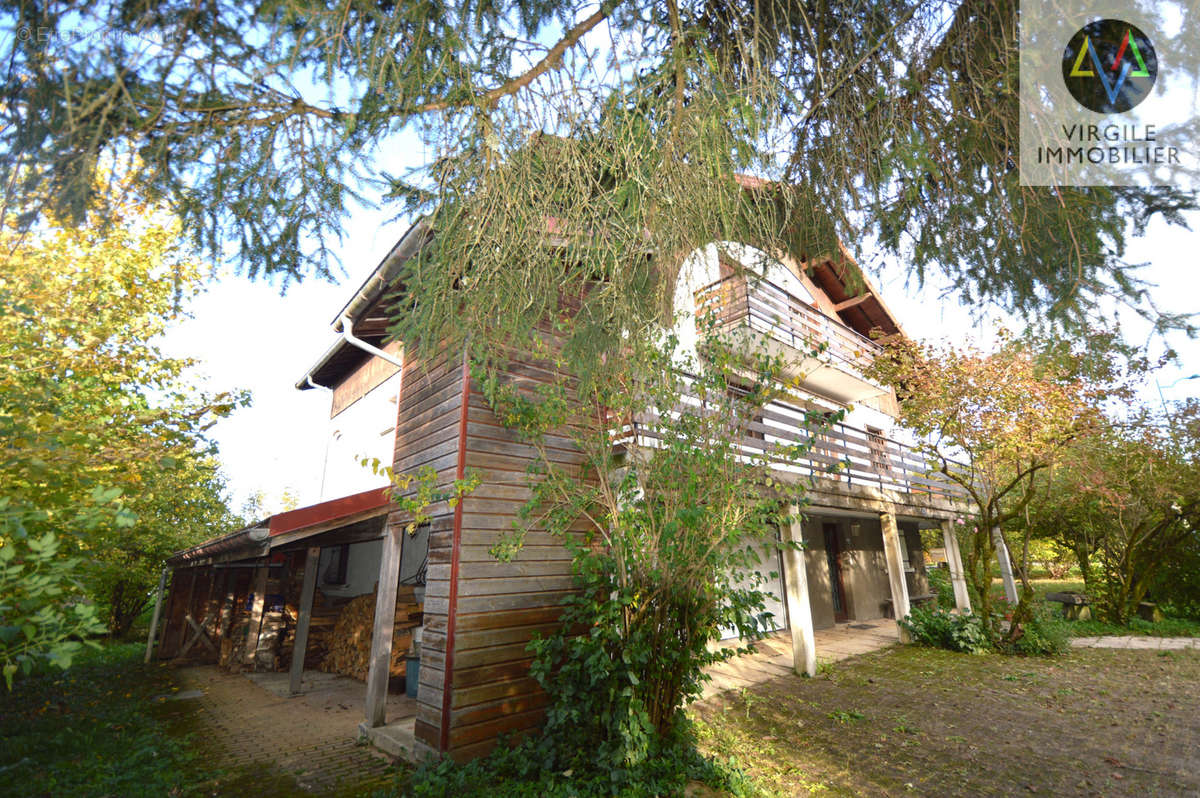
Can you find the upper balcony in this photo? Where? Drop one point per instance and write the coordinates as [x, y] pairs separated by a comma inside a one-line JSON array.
[[795, 329]]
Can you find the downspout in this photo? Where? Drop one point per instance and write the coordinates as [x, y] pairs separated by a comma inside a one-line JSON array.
[[349, 337], [347, 334]]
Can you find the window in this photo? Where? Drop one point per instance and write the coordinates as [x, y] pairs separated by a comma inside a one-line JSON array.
[[878, 447], [335, 572], [904, 550], [739, 401]]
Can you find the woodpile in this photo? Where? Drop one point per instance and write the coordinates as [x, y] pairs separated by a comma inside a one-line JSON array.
[[325, 613], [348, 645]]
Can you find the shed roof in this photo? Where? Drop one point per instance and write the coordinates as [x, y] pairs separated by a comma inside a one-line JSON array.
[[258, 539]]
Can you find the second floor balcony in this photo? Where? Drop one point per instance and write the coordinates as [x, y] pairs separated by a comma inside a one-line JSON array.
[[839, 457], [826, 356]]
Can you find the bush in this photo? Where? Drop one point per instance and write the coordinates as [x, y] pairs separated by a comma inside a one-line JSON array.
[[1177, 586], [939, 628], [940, 584], [1043, 635], [524, 771]]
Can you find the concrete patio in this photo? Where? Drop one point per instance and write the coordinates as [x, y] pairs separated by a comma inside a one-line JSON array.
[[774, 656]]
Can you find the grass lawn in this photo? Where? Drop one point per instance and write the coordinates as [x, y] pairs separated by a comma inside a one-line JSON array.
[[907, 720], [88, 731], [917, 721], [1040, 587], [107, 727]]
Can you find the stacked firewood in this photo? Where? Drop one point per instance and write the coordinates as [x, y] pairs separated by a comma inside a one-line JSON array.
[[348, 646], [325, 613]]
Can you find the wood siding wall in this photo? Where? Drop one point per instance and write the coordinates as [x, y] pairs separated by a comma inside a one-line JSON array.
[[498, 605], [363, 379], [427, 434]]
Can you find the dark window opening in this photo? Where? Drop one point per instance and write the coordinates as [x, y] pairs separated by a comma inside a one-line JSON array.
[[335, 571]]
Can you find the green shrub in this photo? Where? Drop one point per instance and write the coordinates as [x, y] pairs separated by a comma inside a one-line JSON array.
[[524, 771], [939, 628], [1043, 635], [1177, 586], [941, 585]]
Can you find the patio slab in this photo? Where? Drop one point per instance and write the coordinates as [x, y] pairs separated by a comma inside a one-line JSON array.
[[774, 655], [1137, 643]]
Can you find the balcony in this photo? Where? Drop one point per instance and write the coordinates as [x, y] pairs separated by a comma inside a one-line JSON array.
[[839, 455], [794, 329]]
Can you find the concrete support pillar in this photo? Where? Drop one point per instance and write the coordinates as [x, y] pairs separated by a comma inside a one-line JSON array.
[[300, 646], [250, 655], [958, 577], [795, 576], [1006, 569], [158, 602], [895, 567], [385, 618]]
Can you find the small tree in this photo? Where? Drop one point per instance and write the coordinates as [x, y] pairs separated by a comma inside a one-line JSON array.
[[1010, 414], [1127, 502], [88, 402]]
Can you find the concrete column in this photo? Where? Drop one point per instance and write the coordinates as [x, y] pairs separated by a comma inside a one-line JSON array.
[[795, 577], [958, 578], [385, 619], [895, 566], [158, 601], [311, 560], [1006, 569], [250, 655]]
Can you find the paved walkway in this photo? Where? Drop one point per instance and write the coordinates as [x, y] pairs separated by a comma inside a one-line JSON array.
[[310, 738], [774, 655], [1134, 642]]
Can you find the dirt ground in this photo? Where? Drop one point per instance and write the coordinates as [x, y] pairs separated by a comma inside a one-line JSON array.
[[914, 721]]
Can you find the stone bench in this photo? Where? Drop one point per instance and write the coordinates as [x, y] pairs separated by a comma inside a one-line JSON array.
[[1074, 605], [918, 600]]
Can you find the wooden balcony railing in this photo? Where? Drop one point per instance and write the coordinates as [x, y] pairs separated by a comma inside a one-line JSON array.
[[767, 308], [839, 453]]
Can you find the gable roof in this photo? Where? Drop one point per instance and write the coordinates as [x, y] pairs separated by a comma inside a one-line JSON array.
[[368, 311]]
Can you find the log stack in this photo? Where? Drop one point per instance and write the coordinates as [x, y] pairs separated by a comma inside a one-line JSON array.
[[348, 646], [325, 613]]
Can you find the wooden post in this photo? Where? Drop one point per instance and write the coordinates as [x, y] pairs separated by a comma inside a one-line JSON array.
[[187, 606], [895, 567], [225, 615], [215, 584], [311, 561], [250, 655], [158, 601], [1006, 569], [385, 619], [795, 575], [958, 578]]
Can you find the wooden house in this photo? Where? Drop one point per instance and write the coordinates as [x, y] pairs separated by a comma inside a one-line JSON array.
[[253, 597]]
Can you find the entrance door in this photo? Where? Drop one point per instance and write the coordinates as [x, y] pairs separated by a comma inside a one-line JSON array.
[[833, 555]]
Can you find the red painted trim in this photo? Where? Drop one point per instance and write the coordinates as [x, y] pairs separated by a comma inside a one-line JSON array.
[[452, 611], [328, 511]]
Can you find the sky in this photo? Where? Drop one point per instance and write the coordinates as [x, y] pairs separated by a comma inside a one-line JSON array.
[[248, 335]]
